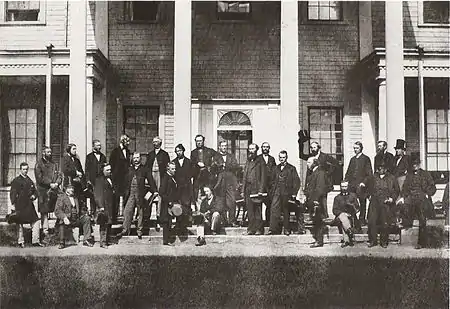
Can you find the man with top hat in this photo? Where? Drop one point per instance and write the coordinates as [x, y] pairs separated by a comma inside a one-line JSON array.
[[383, 190], [120, 160], [416, 194], [345, 207], [401, 162], [284, 186], [253, 189], [271, 165], [169, 194], [383, 156], [358, 172]]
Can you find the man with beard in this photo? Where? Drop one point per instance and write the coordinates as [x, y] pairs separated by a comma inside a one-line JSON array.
[[383, 156], [285, 184], [226, 185], [416, 196], [271, 165], [315, 189], [48, 180], [345, 207], [120, 162], [73, 171], [383, 190], [105, 199], [137, 177], [183, 176], [401, 162], [22, 194], [358, 172], [93, 168], [326, 162], [203, 160], [157, 160], [169, 196], [253, 189]]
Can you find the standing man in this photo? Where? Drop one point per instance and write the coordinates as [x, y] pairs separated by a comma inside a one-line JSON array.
[[316, 187], [253, 187], [285, 184], [183, 178], [23, 193], [358, 172], [227, 182], [416, 196], [326, 162], [105, 199], [120, 162], [383, 190], [345, 207], [157, 160], [271, 165], [138, 175], [169, 195], [73, 171], [401, 162], [48, 180], [383, 156], [202, 159], [93, 168]]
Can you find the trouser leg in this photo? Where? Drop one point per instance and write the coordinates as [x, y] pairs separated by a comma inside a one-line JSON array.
[[419, 211], [268, 213], [35, 229], [85, 222], [275, 215], [215, 222], [259, 226], [323, 204], [103, 234], [299, 214], [166, 232], [140, 222], [286, 214], [230, 200], [251, 216], [62, 239], [128, 213], [363, 208], [373, 225], [345, 221], [44, 222]]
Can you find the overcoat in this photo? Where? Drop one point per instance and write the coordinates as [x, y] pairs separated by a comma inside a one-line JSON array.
[[104, 194], [21, 193]]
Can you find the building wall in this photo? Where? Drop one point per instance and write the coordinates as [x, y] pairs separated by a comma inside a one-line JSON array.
[[142, 58], [236, 59], [430, 38]]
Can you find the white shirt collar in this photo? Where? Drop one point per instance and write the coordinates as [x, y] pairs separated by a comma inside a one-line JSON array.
[[358, 155]]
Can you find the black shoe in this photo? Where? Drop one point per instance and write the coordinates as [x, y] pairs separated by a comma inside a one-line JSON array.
[[139, 236], [87, 244], [157, 228], [200, 241], [270, 233], [168, 244], [316, 245], [287, 233], [418, 247], [61, 246], [300, 232], [249, 233], [371, 245], [235, 224], [258, 233], [21, 245], [103, 245], [38, 244], [384, 246], [345, 244]]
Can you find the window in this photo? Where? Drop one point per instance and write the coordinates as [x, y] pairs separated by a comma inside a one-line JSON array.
[[141, 11], [23, 11], [436, 12], [21, 141], [233, 10], [324, 10], [325, 127], [437, 127], [141, 125]]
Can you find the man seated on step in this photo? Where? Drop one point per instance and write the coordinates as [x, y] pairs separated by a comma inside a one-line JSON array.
[[210, 217], [345, 207], [69, 215]]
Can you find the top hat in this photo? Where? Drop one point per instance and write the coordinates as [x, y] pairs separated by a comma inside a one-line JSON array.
[[303, 135], [415, 158], [401, 144], [176, 210]]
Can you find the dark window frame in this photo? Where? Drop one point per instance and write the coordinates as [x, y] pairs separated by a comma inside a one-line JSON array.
[[438, 12], [234, 16], [129, 15]]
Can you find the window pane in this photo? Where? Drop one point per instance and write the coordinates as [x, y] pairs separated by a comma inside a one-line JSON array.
[[313, 13], [31, 160], [12, 129], [432, 146], [431, 116], [313, 3], [21, 130], [334, 13], [129, 114], [140, 116], [31, 116], [440, 116], [31, 131], [20, 158], [20, 145], [324, 13], [432, 131], [12, 173], [31, 145], [442, 163], [431, 163], [12, 116], [222, 6], [21, 116]]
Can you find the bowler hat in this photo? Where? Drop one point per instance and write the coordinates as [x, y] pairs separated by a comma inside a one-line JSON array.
[[400, 144]]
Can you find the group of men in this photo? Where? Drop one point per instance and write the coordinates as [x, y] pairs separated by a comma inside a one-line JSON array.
[[204, 190]]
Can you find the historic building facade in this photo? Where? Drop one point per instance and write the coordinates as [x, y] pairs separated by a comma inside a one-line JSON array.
[[247, 71]]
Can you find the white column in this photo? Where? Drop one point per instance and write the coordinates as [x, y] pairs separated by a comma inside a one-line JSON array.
[[289, 106], [395, 93], [48, 96], [77, 79], [182, 73], [89, 112], [99, 115], [195, 122], [382, 110], [422, 145], [368, 122]]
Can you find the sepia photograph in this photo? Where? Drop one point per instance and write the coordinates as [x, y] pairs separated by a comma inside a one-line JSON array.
[[224, 154]]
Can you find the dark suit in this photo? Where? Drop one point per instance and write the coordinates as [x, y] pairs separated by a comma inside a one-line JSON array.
[[93, 167], [119, 168], [70, 166], [359, 171], [284, 184], [226, 185], [105, 197], [253, 182], [46, 172], [162, 158], [168, 193], [22, 188], [328, 164], [183, 177], [316, 188], [381, 214], [214, 212], [271, 165], [401, 168], [78, 218], [387, 158], [203, 176]]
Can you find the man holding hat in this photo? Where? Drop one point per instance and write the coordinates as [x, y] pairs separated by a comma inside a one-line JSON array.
[[169, 195], [345, 207], [416, 196]]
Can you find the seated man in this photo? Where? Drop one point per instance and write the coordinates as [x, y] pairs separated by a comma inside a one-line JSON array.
[[69, 215], [345, 207], [210, 216]]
